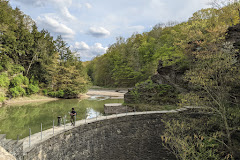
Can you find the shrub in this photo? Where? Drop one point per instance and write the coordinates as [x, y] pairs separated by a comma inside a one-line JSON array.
[[60, 94], [4, 81], [17, 91], [45, 92], [2, 96], [32, 89], [16, 69], [52, 94], [19, 80], [2, 99]]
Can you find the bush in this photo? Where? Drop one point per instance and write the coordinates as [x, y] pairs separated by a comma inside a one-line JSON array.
[[60, 94], [2, 96], [16, 69], [71, 93], [17, 91], [19, 80], [52, 94], [45, 92], [2, 99], [4, 81], [32, 89]]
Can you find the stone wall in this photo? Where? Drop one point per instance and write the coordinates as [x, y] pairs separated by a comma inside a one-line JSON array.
[[136, 136], [116, 108], [4, 155], [14, 147]]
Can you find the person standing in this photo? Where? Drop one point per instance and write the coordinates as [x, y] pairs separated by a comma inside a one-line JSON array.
[[73, 114]]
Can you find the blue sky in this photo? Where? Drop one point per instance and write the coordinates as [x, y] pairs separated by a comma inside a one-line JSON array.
[[90, 26]]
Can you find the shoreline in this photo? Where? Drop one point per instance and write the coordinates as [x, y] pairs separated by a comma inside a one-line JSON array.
[[113, 94], [33, 98]]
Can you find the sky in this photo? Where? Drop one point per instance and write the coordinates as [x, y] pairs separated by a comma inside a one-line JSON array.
[[91, 26]]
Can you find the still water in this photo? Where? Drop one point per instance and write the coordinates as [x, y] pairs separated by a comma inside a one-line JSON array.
[[15, 120]]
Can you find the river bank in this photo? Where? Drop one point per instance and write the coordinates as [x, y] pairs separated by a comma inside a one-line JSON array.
[[32, 98], [112, 94]]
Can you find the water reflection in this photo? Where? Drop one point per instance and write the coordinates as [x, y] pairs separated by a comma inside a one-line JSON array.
[[91, 113], [17, 119], [98, 98]]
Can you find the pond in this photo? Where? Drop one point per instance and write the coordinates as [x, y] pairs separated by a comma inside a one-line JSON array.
[[15, 120]]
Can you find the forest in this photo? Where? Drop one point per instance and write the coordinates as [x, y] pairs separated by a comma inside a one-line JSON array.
[[133, 60], [207, 55], [32, 61]]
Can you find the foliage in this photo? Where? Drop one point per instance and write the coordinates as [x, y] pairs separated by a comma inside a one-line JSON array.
[[19, 80], [213, 78], [45, 92], [30, 59], [133, 60], [15, 69], [188, 140], [2, 96], [4, 80], [17, 91], [151, 93], [32, 89], [58, 94]]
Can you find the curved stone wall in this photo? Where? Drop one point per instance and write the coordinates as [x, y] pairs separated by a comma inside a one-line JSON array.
[[132, 136]]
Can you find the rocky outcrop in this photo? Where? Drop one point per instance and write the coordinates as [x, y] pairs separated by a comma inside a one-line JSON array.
[[163, 87], [170, 76], [233, 35]]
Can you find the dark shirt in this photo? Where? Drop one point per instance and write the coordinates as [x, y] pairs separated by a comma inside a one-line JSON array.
[[73, 113]]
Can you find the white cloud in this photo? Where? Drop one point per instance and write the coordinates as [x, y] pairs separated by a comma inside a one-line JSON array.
[[88, 5], [97, 48], [98, 32], [86, 52], [61, 6], [54, 26], [81, 46], [65, 12]]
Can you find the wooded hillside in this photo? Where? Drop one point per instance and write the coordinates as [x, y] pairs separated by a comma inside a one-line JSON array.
[[32, 61]]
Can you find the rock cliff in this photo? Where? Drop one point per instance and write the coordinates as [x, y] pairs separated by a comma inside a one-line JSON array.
[[163, 87]]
